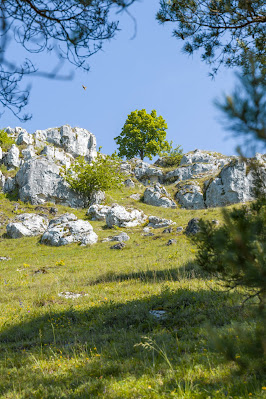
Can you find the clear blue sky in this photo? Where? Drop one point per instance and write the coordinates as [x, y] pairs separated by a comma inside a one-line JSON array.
[[149, 71]]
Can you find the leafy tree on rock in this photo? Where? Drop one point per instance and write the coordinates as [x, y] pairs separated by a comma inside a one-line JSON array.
[[223, 29], [143, 135]]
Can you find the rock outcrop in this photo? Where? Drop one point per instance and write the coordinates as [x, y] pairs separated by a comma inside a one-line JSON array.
[[67, 229]]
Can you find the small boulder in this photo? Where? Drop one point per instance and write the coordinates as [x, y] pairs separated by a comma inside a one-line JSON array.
[[168, 230], [12, 160], [156, 222], [157, 196], [121, 245], [171, 242], [129, 183], [98, 212]]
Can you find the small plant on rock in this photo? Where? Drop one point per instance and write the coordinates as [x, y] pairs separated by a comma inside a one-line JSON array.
[[5, 140]]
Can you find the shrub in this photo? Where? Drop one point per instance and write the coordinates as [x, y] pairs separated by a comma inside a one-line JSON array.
[[102, 174], [173, 156], [5, 140]]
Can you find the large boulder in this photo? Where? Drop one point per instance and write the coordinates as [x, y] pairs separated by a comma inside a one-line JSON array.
[[76, 141], [192, 227], [190, 196], [67, 229], [157, 196], [24, 138], [234, 184], [27, 225], [189, 171], [199, 156], [117, 215], [39, 181]]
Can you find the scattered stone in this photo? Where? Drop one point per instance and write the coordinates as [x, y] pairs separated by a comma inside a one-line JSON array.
[[121, 245], [192, 227], [120, 237], [157, 196], [66, 229], [171, 242], [71, 295], [4, 258], [216, 222], [10, 185], [149, 234], [136, 197], [156, 222], [129, 183], [168, 230], [26, 225], [117, 215], [158, 314], [179, 229], [146, 229]]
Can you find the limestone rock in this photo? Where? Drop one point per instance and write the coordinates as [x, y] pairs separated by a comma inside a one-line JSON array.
[[119, 237], [189, 171], [66, 229], [97, 197], [118, 216], [98, 212], [135, 197], [11, 159], [171, 241], [39, 181], [192, 227], [28, 153], [76, 141], [9, 185], [125, 168], [57, 155], [156, 222], [234, 184], [121, 245], [24, 138], [156, 196], [199, 156], [147, 174], [190, 196], [26, 225], [2, 180]]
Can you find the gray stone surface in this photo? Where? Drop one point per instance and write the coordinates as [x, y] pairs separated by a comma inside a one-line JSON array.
[[9, 185], [192, 227], [24, 138], [28, 153], [39, 181], [2, 180], [146, 173], [66, 229], [76, 141], [157, 196], [234, 184], [157, 222], [129, 183], [11, 159], [190, 171], [118, 216], [98, 212], [190, 196], [26, 225]]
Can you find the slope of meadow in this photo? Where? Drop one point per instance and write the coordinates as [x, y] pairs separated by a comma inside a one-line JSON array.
[[107, 343]]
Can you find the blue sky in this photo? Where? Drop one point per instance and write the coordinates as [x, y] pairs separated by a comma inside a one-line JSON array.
[[149, 71]]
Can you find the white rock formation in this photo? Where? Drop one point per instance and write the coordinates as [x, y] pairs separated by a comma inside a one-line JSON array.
[[146, 173], [157, 196], [190, 196], [26, 225], [24, 138], [39, 181], [66, 229], [118, 216], [11, 159], [98, 212]]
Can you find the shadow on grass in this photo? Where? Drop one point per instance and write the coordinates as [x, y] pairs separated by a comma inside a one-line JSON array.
[[189, 271], [97, 346]]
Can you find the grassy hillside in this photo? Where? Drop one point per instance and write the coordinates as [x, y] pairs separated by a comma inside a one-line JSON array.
[[107, 343]]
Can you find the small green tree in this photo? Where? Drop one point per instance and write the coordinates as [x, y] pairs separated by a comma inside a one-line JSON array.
[[173, 156], [102, 174], [143, 135], [5, 140]]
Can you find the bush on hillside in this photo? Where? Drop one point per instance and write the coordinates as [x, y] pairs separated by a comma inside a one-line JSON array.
[[87, 178], [173, 156], [5, 140]]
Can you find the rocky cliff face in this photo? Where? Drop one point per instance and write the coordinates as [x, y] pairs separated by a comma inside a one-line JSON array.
[[203, 179]]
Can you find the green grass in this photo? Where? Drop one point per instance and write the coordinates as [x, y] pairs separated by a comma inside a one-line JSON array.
[[106, 343]]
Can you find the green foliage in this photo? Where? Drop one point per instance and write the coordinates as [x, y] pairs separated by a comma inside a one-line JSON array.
[[173, 156], [143, 135], [101, 174], [223, 30], [5, 140]]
